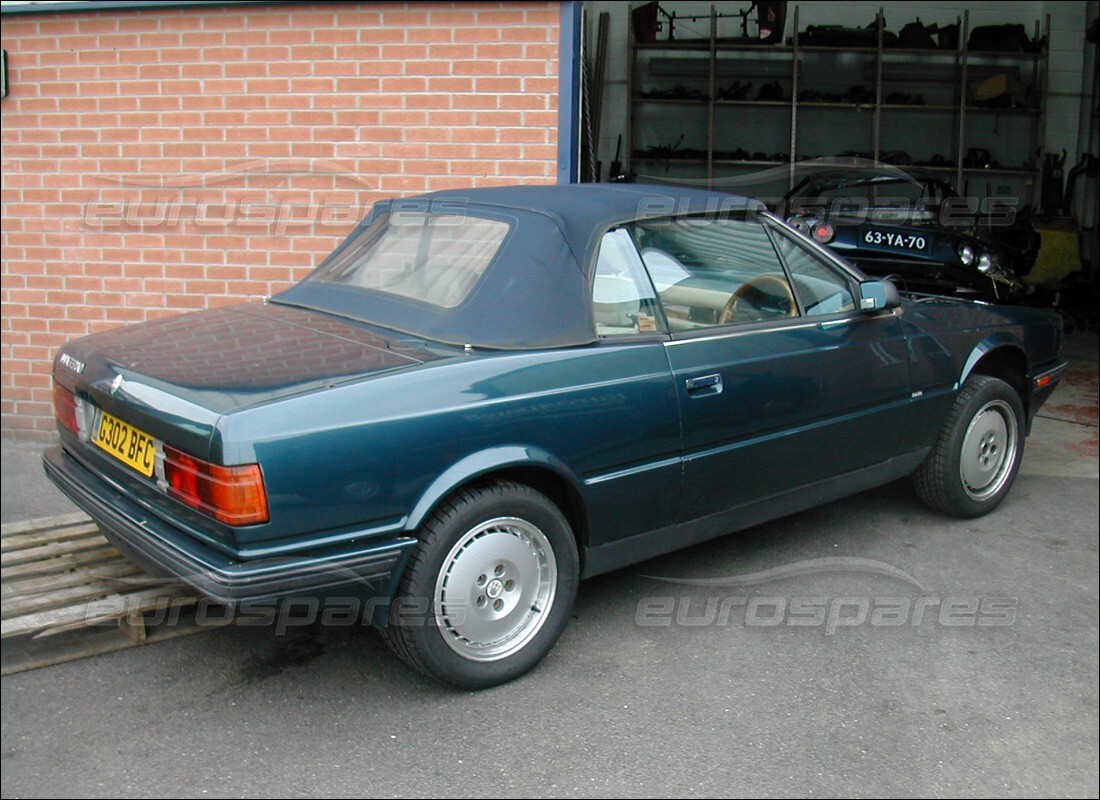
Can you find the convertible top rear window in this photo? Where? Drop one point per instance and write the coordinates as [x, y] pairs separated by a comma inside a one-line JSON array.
[[433, 258]]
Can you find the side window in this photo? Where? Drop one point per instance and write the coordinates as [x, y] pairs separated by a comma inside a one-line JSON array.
[[712, 271], [622, 296], [820, 288]]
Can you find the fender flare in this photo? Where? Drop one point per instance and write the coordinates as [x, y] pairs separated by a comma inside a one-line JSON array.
[[995, 341], [481, 463]]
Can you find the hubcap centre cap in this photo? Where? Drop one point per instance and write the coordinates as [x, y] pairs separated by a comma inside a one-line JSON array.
[[495, 588]]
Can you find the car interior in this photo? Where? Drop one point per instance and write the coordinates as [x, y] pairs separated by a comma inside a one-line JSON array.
[[707, 273]]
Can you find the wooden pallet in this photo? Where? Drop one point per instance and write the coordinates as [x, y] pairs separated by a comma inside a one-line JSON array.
[[67, 594]]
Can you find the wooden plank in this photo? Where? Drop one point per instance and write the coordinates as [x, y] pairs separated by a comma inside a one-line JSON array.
[[133, 626], [106, 609], [86, 591], [159, 599], [46, 551], [68, 594], [43, 523], [24, 653], [19, 541], [62, 564], [120, 568]]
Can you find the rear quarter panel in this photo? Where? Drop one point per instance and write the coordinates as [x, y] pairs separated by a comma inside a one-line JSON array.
[[948, 339], [363, 455]]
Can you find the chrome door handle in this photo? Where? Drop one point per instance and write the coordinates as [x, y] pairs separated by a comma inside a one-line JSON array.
[[705, 385]]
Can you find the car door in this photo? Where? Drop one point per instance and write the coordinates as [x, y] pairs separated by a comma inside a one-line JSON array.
[[781, 381], [636, 485]]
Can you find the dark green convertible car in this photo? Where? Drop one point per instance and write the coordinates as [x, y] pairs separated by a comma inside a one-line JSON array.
[[483, 396]]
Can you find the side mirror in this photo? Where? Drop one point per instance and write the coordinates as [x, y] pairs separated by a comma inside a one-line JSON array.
[[878, 295]]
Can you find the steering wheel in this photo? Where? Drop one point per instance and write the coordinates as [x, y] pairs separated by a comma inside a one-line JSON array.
[[763, 284]]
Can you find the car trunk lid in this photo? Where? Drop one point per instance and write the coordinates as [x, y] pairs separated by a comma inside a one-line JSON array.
[[174, 378]]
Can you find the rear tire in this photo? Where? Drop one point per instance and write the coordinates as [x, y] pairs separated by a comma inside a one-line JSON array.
[[975, 459], [488, 590]]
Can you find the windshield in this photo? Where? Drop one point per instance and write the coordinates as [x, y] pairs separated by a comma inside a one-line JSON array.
[[433, 258]]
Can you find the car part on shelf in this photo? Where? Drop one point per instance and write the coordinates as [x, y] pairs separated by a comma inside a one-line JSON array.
[[918, 36], [735, 91], [771, 91]]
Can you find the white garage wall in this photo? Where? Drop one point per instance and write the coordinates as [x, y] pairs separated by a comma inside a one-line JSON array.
[[1067, 106]]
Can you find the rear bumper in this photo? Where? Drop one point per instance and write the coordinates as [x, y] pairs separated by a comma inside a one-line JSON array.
[[364, 571]]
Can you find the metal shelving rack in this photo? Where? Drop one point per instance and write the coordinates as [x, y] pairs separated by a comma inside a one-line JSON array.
[[959, 64]]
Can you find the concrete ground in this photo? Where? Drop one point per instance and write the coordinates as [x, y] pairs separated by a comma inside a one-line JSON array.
[[866, 648]]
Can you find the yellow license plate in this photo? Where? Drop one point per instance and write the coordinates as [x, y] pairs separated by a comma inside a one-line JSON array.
[[129, 445]]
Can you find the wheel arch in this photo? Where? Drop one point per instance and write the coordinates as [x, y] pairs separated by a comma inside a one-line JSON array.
[[530, 466], [999, 356]]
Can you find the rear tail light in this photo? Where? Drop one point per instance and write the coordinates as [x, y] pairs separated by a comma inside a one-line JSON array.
[[66, 410], [233, 495]]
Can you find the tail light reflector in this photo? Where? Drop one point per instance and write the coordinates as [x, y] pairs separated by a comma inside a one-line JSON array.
[[65, 409], [233, 495]]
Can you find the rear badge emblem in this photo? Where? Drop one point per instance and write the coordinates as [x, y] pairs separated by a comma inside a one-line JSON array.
[[116, 384], [72, 363]]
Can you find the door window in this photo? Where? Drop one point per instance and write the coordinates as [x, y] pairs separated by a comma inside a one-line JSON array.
[[820, 288], [711, 271]]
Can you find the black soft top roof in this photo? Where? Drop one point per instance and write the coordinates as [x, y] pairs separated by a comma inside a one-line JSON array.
[[584, 212], [536, 293]]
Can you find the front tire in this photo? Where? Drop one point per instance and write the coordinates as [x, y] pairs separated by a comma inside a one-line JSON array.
[[488, 590], [974, 462]]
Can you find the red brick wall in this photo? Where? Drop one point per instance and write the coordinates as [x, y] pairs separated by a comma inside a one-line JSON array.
[[164, 160]]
